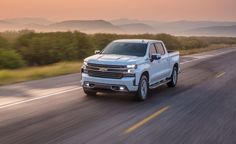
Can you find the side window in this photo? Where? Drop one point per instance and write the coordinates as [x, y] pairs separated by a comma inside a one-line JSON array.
[[152, 50], [160, 48]]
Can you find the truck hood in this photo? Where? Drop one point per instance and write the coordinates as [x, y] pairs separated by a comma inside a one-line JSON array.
[[113, 59]]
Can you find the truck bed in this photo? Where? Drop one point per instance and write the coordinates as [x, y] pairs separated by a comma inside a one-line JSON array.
[[173, 53]]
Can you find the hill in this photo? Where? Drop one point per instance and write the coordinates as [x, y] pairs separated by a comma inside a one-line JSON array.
[[137, 28], [215, 31], [27, 20], [86, 25], [126, 26]]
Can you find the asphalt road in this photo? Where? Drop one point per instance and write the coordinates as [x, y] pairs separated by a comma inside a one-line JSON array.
[[200, 110]]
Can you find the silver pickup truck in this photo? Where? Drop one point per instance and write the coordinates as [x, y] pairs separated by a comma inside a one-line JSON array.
[[130, 65]]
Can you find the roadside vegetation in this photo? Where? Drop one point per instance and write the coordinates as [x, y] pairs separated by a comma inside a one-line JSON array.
[[34, 73], [27, 55]]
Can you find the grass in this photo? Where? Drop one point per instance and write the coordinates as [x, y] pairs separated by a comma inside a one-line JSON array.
[[209, 48], [34, 73], [62, 68]]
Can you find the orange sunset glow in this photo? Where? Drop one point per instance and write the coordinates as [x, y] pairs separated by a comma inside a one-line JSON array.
[[164, 10]]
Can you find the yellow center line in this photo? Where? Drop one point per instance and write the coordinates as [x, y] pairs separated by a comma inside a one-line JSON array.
[[220, 74], [144, 121]]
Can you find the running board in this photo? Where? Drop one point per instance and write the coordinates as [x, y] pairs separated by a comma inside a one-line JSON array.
[[159, 84]]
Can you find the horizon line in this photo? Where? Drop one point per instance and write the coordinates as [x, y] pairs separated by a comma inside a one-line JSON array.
[[180, 20]]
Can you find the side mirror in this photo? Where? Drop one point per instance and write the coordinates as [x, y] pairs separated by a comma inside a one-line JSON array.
[[155, 57], [97, 52]]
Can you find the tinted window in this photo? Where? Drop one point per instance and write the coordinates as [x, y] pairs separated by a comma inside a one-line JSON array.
[[124, 48], [160, 48], [152, 50]]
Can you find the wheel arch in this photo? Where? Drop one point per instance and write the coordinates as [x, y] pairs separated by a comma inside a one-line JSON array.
[[177, 66], [146, 73]]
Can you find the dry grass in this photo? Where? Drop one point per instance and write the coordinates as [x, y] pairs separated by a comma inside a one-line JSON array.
[[33, 73], [199, 50]]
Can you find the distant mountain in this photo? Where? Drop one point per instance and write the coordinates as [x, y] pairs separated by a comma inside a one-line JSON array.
[[4, 25], [2, 22], [132, 21], [26, 21], [175, 27], [86, 25], [126, 26], [40, 24], [137, 28], [181, 26], [214, 31]]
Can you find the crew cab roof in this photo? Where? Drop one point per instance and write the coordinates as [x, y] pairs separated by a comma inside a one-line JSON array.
[[137, 40]]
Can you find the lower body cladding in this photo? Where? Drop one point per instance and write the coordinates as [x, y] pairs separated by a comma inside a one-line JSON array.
[[126, 84]]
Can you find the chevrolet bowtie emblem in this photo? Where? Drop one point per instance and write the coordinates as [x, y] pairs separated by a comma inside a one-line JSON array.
[[103, 69]]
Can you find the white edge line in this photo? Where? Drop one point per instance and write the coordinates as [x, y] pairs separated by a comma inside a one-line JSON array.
[[208, 56], [189, 61], [38, 98]]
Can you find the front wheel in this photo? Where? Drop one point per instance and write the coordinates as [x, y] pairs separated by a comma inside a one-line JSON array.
[[89, 92], [143, 89], [174, 78]]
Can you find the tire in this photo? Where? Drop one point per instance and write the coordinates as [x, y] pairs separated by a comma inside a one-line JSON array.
[[174, 78], [89, 92], [143, 89]]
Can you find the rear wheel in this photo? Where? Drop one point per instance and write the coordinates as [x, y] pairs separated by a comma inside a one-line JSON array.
[[89, 92], [174, 78], [143, 89]]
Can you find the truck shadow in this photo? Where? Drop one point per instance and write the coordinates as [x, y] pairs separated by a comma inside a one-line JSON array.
[[156, 95]]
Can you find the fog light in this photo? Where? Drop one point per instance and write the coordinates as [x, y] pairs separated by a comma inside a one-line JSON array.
[[86, 84], [122, 88], [131, 70]]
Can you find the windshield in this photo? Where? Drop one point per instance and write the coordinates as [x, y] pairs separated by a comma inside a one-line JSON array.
[[125, 48]]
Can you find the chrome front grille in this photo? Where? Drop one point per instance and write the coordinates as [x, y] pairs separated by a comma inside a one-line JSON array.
[[106, 71], [107, 66]]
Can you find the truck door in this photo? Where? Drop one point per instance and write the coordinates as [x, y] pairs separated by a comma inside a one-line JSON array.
[[164, 61], [156, 66]]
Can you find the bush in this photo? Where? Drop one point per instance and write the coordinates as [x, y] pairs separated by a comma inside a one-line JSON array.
[[192, 42], [100, 41], [170, 41], [3, 43], [48, 48], [9, 59]]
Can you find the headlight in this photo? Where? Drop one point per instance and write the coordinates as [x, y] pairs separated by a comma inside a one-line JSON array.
[[131, 70], [84, 68], [132, 66], [85, 64]]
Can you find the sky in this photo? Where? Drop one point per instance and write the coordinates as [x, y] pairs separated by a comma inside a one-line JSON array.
[[160, 10]]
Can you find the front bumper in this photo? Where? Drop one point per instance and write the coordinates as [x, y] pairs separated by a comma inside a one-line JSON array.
[[96, 83]]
